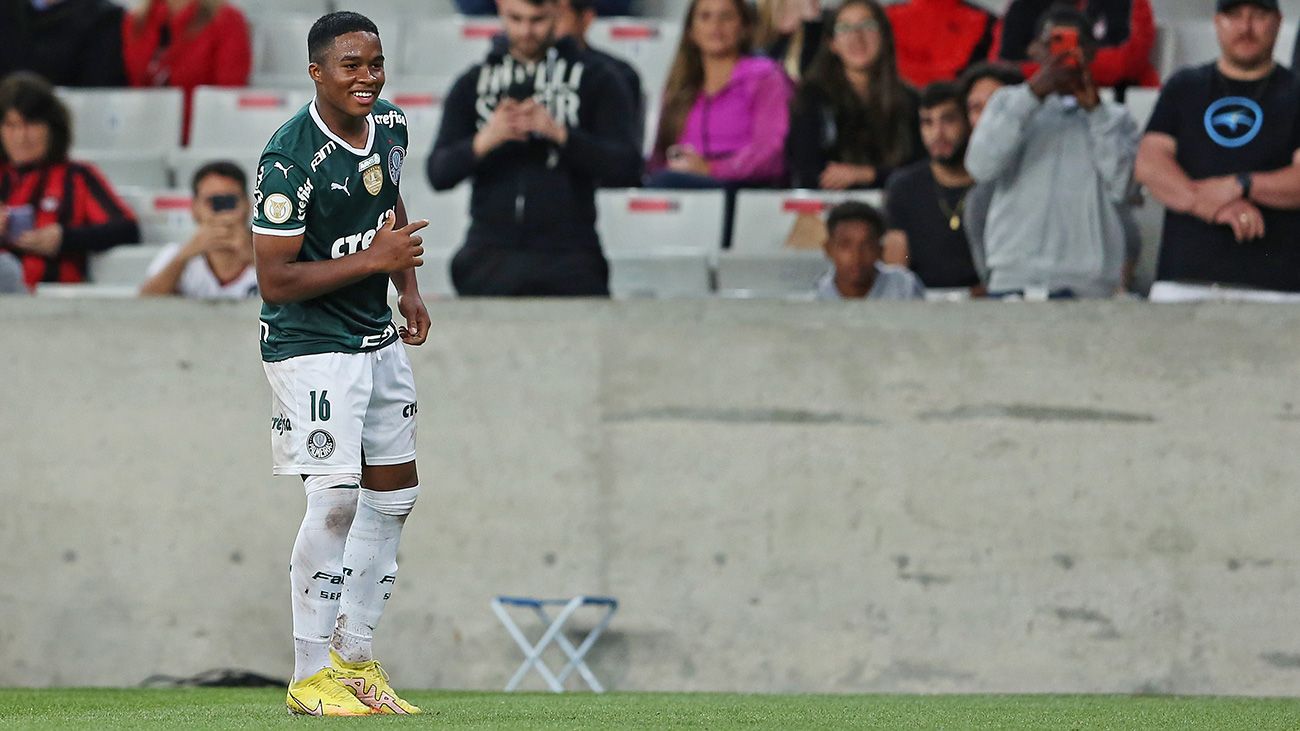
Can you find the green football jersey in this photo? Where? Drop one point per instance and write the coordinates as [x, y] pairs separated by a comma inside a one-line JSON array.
[[311, 182]]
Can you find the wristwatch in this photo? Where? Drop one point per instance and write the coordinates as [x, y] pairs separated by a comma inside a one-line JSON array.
[[1245, 179]]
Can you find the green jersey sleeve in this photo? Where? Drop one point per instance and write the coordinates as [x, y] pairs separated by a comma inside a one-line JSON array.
[[281, 195]]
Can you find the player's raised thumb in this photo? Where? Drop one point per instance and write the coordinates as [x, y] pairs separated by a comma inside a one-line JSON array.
[[390, 220]]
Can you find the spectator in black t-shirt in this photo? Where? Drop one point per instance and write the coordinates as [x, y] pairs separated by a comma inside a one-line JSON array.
[[573, 18], [1221, 153], [926, 199], [68, 42]]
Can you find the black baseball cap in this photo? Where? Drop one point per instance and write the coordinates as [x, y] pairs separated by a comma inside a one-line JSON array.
[[1226, 5]]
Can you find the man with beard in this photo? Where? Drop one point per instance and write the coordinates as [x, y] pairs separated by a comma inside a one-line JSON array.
[[1221, 153], [1060, 160], [926, 200]]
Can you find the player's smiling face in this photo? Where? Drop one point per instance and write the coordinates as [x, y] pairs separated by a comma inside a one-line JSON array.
[[352, 73]]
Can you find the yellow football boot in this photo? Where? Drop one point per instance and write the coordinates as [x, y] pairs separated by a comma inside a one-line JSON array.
[[323, 694], [369, 683]]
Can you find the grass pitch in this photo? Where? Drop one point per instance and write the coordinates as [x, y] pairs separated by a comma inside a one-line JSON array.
[[258, 709]]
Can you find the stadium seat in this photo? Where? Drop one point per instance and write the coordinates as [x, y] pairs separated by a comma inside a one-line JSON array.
[[1195, 42], [412, 9], [446, 46], [124, 266], [164, 215], [184, 162], [648, 220], [759, 263], [255, 9], [1141, 103], [421, 102], [280, 50], [646, 43], [126, 133], [1165, 52], [227, 118], [665, 9], [662, 273], [447, 212]]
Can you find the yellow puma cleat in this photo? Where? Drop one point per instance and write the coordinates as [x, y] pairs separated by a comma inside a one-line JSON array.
[[369, 683], [323, 694]]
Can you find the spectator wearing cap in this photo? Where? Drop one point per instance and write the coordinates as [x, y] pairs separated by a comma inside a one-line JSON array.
[[938, 39], [1060, 160], [1124, 30], [1221, 152], [68, 42], [855, 248]]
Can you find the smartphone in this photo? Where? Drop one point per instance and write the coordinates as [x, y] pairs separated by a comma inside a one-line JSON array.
[[1063, 41], [223, 202], [21, 219]]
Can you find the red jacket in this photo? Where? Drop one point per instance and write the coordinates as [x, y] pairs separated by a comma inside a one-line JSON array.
[[77, 197], [1129, 62], [936, 40], [172, 50]]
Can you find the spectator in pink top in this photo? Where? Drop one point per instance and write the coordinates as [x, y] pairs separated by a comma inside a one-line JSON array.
[[725, 112]]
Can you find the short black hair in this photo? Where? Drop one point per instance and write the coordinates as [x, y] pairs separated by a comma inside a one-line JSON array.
[[331, 26], [940, 93], [1000, 71], [582, 6], [1066, 15], [857, 211], [225, 169], [33, 98]]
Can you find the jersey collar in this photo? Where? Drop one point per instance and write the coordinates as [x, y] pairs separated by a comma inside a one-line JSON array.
[[370, 134]]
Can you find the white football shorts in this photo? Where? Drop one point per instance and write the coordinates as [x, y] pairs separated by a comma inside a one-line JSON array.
[[331, 412]]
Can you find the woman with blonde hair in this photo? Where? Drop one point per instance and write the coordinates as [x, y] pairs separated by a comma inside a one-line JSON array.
[[790, 32], [186, 43], [854, 119], [725, 111]]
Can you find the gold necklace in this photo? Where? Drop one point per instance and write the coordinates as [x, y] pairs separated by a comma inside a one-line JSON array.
[[952, 214]]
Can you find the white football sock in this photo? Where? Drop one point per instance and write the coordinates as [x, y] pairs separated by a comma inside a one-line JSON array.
[[316, 573], [370, 565]]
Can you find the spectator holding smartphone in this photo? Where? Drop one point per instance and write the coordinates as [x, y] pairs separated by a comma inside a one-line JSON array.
[[54, 212], [217, 261], [1060, 161]]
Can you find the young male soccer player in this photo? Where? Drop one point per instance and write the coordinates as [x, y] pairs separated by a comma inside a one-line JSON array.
[[330, 231]]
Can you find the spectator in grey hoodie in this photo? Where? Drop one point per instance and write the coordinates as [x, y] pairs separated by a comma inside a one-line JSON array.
[[1060, 161]]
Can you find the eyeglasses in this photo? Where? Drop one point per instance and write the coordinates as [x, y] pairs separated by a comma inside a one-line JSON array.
[[864, 27]]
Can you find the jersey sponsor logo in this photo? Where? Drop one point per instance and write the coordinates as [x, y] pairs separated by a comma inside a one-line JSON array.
[[369, 161], [373, 341], [1234, 121], [257, 186], [304, 197], [342, 186], [391, 118], [283, 169], [396, 157], [281, 424], [277, 208], [322, 153], [265, 331], [410, 410], [353, 243], [320, 444]]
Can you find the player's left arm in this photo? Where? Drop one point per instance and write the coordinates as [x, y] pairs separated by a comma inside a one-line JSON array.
[[409, 301]]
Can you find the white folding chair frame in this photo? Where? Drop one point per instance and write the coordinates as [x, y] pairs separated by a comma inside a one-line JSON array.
[[554, 633]]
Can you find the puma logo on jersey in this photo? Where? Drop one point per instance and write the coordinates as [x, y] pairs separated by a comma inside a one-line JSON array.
[[342, 186], [284, 170]]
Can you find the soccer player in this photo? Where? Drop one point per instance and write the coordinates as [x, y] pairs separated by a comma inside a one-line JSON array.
[[330, 232]]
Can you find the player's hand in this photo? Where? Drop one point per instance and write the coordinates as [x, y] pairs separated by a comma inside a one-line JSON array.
[[1245, 219], [505, 125], [44, 241], [397, 249], [416, 330]]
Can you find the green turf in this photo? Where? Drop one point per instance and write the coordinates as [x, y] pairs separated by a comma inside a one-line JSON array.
[[249, 709]]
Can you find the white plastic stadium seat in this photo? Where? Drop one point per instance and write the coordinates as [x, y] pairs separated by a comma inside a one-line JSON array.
[[663, 273], [164, 215], [257, 8], [423, 109], [226, 118], [447, 212], [653, 220], [407, 9], [446, 46], [645, 43], [280, 50], [759, 264], [1141, 102], [123, 265], [126, 133], [186, 161]]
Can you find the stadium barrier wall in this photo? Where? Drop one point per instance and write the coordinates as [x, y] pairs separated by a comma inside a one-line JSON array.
[[1094, 497]]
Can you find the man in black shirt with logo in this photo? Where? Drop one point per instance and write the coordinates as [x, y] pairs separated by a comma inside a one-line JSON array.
[[1221, 153], [926, 199]]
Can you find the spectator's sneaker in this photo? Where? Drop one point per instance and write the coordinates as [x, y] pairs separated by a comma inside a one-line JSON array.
[[323, 694], [369, 683]]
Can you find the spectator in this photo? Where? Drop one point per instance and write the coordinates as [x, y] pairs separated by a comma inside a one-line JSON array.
[[725, 112], [69, 42], [534, 127], [854, 247], [938, 39], [67, 208], [489, 7], [1220, 153], [1125, 32], [217, 261], [790, 32], [1060, 160], [978, 84], [926, 199], [573, 18], [186, 43], [854, 119]]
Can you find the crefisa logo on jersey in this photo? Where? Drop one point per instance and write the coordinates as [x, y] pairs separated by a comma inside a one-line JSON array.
[[396, 157], [320, 444]]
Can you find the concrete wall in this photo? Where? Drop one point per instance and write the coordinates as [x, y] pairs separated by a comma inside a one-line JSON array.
[[785, 497]]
